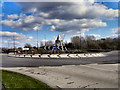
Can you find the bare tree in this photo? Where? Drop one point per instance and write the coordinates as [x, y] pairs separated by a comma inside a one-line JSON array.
[[41, 44], [27, 45], [49, 43], [76, 42]]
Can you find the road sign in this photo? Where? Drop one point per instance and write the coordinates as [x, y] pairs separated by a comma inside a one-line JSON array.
[[25, 49], [54, 47]]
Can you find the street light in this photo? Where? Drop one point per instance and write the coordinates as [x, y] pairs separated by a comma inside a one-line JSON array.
[[37, 38], [80, 39], [14, 43]]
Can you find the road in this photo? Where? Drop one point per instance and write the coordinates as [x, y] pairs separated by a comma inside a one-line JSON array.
[[100, 72], [112, 57]]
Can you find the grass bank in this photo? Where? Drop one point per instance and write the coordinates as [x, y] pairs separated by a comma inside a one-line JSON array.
[[16, 80]]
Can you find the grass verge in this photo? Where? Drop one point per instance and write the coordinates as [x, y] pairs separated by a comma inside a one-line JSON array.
[[16, 80]]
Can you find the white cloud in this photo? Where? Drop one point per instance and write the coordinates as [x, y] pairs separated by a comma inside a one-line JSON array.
[[1, 15], [68, 17], [44, 40], [71, 10], [36, 23], [37, 28], [19, 37], [95, 35], [114, 30], [52, 28], [33, 10], [9, 34], [44, 14], [13, 16], [114, 35], [1, 3], [29, 19]]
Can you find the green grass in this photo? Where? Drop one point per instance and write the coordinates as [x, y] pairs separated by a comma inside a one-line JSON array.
[[3, 54], [16, 80]]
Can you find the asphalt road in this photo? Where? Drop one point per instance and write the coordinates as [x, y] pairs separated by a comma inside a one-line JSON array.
[[112, 57]]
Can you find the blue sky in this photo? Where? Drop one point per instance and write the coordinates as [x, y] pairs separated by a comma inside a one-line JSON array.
[[24, 19]]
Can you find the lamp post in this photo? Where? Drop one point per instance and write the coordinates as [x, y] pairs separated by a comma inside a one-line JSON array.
[[14, 43], [80, 39], [8, 46], [37, 38]]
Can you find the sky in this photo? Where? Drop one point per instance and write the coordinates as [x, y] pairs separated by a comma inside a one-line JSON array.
[[27, 22]]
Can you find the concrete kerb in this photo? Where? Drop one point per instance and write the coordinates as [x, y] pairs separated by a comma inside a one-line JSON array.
[[45, 56], [28, 55], [11, 55], [36, 56], [82, 55], [64, 56], [20, 55], [89, 55], [54, 56], [101, 55], [73, 55]]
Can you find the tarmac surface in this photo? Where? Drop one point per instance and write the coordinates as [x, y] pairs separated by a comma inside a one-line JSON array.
[[111, 58], [92, 72]]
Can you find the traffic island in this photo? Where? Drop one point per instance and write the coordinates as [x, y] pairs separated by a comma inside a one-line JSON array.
[[57, 55]]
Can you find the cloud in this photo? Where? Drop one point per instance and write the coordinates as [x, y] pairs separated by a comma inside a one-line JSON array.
[[43, 14], [44, 40], [37, 27], [10, 42], [13, 16], [114, 30], [79, 24], [1, 3], [18, 37], [9, 34], [12, 23], [52, 28], [95, 35], [33, 10], [47, 40], [70, 18], [1, 15], [24, 22], [67, 26], [71, 10], [114, 35]]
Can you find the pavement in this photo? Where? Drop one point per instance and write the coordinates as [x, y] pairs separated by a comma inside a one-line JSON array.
[[74, 76]]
